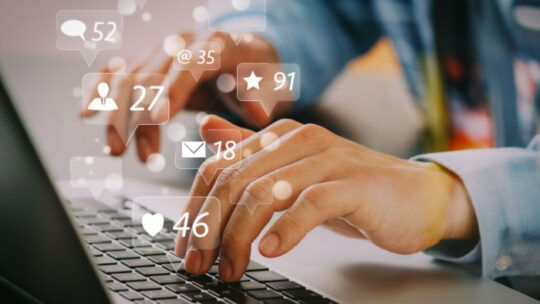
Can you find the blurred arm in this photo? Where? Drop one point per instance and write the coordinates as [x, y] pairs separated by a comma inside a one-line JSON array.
[[321, 36]]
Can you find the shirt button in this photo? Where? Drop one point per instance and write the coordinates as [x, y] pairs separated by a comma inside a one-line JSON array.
[[503, 263]]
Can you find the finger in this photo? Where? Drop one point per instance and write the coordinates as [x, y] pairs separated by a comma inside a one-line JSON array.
[[147, 141], [230, 184], [314, 206], [213, 122], [209, 171], [281, 188], [119, 119]]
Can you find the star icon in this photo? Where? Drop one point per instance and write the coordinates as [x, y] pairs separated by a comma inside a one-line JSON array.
[[253, 81]]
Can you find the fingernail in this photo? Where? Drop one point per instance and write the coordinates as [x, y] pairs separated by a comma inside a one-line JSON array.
[[144, 147], [115, 143], [193, 261], [269, 244], [225, 268]]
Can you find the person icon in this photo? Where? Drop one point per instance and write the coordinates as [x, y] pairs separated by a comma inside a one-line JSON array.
[[103, 103]]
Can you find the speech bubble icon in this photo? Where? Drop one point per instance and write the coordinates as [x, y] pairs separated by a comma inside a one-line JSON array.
[[98, 30], [73, 28], [97, 174], [207, 227], [268, 83], [142, 95], [201, 56]]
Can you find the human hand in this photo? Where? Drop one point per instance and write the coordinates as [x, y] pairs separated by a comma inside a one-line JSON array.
[[399, 205], [184, 91]]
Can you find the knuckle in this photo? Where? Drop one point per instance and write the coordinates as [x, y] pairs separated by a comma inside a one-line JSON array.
[[311, 198], [311, 132], [232, 238], [259, 190], [226, 176], [334, 152], [286, 122], [291, 221]]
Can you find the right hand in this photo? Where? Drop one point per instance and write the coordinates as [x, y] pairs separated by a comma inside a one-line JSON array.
[[184, 91]]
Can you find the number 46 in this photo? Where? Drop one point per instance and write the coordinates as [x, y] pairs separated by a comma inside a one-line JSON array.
[[182, 225]]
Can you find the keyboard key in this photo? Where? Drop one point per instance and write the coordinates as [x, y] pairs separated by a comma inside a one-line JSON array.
[[174, 301], [149, 251], [242, 299], [199, 280], [140, 262], [84, 214], [316, 301], [128, 277], [249, 285], [166, 279], [164, 259], [109, 247], [144, 302], [174, 267], [288, 285], [213, 270], [301, 294], [278, 301], [116, 287], [158, 238], [109, 228], [198, 297], [168, 245], [151, 271], [134, 243], [159, 294], [106, 278], [119, 235], [87, 231], [123, 255], [143, 286], [131, 295], [264, 294], [104, 260], [266, 276], [254, 266], [96, 221], [94, 252], [181, 288], [111, 269], [96, 239]]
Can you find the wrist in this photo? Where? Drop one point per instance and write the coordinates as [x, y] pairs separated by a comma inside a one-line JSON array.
[[460, 220]]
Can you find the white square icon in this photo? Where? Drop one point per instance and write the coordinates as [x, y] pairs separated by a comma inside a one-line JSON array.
[[193, 149]]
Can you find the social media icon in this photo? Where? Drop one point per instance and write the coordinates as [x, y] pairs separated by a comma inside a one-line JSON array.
[[103, 102], [193, 149], [152, 223]]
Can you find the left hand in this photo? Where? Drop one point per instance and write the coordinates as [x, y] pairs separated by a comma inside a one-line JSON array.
[[399, 205]]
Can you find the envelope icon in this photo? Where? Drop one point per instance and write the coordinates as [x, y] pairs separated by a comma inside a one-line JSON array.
[[193, 149]]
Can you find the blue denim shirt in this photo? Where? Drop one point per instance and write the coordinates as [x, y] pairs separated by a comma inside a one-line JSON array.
[[503, 183]]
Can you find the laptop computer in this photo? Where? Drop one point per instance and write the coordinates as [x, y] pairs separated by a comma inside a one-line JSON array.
[[82, 251]]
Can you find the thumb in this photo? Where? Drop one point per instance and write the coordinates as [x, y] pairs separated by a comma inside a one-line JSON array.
[[227, 130]]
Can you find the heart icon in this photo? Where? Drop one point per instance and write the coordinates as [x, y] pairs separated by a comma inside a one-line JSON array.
[[152, 223]]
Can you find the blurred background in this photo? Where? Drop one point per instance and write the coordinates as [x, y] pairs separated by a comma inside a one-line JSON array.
[[368, 103]]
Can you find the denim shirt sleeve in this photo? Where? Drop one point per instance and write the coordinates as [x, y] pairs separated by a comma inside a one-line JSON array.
[[504, 187], [326, 35]]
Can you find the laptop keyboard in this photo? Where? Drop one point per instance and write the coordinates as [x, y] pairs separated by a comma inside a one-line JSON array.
[[150, 272]]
